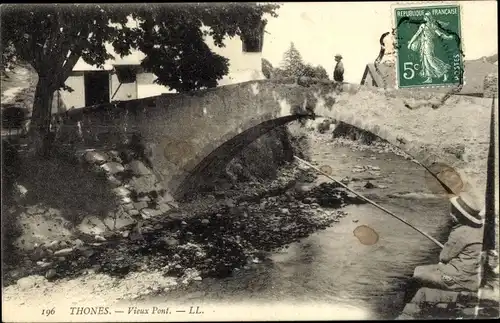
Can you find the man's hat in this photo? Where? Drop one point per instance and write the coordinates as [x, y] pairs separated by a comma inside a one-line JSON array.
[[465, 206], [338, 55]]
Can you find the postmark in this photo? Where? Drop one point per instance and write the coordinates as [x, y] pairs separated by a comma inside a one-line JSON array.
[[429, 46]]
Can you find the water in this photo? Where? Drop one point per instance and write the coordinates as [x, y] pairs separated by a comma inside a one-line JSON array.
[[332, 267]]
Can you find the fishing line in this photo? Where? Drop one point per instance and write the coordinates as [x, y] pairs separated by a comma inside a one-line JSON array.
[[370, 201]]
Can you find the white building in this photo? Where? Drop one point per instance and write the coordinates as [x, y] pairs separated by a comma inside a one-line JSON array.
[[124, 79]]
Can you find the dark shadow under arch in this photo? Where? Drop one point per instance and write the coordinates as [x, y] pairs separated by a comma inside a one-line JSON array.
[[215, 162]]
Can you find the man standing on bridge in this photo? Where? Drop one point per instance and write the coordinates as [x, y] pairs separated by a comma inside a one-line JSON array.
[[338, 73]]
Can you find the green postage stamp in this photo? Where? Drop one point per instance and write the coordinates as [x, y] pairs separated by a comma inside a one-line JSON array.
[[428, 44]]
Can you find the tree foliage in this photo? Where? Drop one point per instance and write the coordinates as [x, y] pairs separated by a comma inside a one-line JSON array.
[[293, 66], [53, 37], [292, 62], [267, 68]]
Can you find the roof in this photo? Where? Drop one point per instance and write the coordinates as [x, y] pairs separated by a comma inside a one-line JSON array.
[[384, 72]]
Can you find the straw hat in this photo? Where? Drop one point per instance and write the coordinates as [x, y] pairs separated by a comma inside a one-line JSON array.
[[465, 206], [338, 56]]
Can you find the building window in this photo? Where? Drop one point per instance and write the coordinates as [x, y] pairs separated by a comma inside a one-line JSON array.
[[126, 73], [252, 42]]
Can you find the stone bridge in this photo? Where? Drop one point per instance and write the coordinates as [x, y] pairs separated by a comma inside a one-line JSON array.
[[189, 135]]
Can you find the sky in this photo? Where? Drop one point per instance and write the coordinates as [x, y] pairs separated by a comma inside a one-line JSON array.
[[319, 30]]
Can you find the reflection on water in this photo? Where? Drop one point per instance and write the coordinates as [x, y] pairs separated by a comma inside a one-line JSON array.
[[332, 266]]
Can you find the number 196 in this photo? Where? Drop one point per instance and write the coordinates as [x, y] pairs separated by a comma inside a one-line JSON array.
[[48, 312]]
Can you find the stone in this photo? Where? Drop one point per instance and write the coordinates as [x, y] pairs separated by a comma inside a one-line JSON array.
[[140, 205], [113, 167], [138, 168], [39, 253], [470, 311], [467, 297], [170, 241], [53, 245], [149, 213], [144, 198], [434, 296], [168, 197], [63, 252], [87, 252], [126, 200], [143, 184], [51, 273], [32, 210], [91, 225], [115, 182], [127, 206], [442, 305], [133, 212], [121, 191], [122, 221], [78, 243], [404, 317], [285, 211], [412, 309], [308, 200], [369, 185], [229, 203], [43, 264], [164, 207], [30, 282], [490, 85], [95, 157], [99, 238], [173, 204]]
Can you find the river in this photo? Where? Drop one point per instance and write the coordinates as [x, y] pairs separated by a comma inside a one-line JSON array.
[[331, 266]]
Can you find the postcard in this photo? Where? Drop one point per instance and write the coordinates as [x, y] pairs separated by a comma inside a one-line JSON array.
[[249, 161]]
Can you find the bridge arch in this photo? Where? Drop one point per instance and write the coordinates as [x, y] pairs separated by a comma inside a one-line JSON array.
[[186, 132]]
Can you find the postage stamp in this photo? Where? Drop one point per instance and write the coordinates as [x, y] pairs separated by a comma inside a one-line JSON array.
[[429, 47]]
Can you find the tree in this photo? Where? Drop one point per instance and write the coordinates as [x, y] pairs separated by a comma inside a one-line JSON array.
[[294, 66], [292, 61], [315, 72], [53, 37], [267, 68]]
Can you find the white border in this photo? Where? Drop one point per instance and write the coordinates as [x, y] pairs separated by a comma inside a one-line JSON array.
[[417, 4]]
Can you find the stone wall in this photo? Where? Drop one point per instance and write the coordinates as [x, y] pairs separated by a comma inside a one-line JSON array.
[[490, 88], [439, 304], [138, 192]]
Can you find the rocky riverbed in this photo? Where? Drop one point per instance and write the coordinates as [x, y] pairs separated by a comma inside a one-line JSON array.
[[208, 237]]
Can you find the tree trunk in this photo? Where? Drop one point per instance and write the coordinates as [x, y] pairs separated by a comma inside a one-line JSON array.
[[40, 118]]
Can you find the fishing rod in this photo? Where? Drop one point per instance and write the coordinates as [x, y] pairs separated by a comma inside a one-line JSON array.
[[370, 201]]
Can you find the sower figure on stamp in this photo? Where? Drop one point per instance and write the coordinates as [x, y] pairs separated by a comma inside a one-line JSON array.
[[459, 264], [338, 73], [423, 43]]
